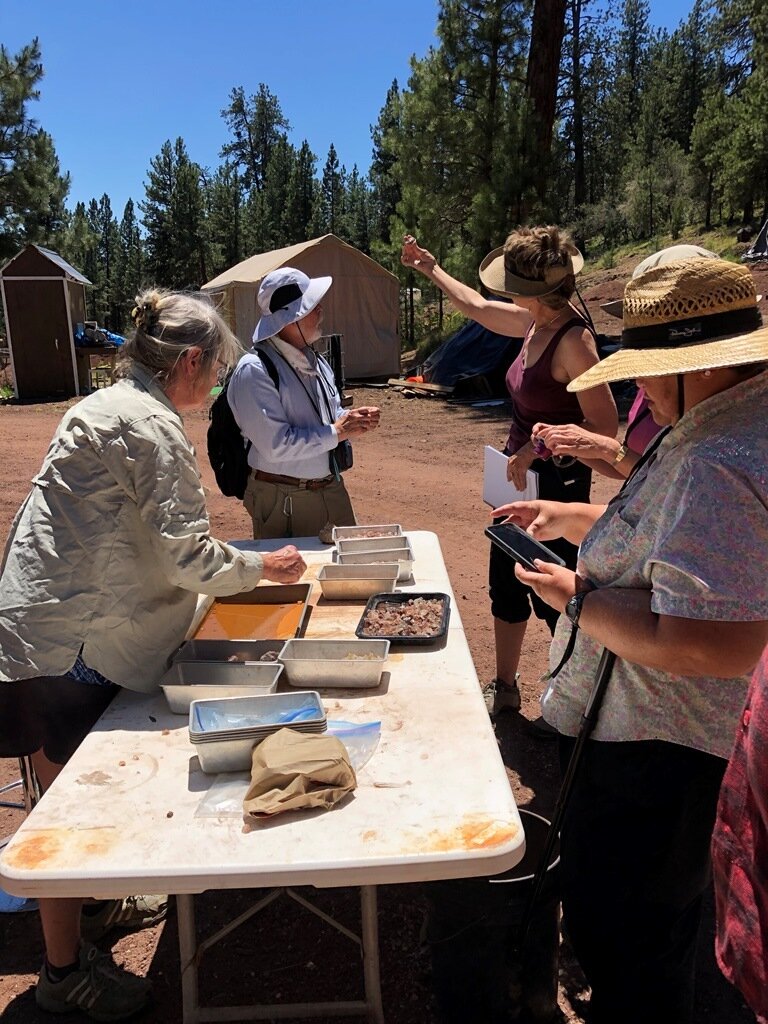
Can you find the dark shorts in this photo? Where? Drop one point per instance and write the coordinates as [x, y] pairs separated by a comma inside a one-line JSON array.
[[511, 600], [49, 713]]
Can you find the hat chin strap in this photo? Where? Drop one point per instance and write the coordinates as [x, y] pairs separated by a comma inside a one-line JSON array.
[[680, 395]]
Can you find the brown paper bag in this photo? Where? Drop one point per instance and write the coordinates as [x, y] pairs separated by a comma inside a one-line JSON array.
[[292, 770]]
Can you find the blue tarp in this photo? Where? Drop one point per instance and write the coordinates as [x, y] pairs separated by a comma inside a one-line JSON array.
[[473, 351], [89, 337]]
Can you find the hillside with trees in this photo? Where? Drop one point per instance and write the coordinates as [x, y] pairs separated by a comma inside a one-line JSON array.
[[566, 111]]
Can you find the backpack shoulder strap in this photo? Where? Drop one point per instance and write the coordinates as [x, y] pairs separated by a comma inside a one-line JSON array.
[[269, 365]]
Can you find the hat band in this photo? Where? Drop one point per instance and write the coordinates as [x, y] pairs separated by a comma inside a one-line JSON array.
[[692, 331], [282, 297]]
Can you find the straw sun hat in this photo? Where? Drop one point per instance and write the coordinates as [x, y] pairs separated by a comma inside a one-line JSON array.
[[501, 280], [684, 316]]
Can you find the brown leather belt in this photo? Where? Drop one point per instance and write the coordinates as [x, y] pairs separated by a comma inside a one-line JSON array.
[[293, 481]]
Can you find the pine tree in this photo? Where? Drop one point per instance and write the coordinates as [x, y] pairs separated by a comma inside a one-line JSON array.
[[173, 211], [386, 191], [223, 196], [301, 196], [32, 188], [256, 124], [330, 205], [130, 264]]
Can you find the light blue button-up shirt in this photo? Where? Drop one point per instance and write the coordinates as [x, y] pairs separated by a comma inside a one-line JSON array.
[[287, 435]]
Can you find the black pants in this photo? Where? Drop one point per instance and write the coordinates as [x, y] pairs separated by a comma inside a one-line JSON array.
[[511, 600], [635, 865]]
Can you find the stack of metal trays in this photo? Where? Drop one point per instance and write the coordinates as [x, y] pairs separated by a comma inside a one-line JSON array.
[[374, 550], [224, 731]]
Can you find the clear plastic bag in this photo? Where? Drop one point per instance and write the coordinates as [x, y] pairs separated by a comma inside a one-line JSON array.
[[360, 739]]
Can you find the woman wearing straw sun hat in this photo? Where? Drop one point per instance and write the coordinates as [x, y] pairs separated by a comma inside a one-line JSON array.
[[536, 268], [672, 577]]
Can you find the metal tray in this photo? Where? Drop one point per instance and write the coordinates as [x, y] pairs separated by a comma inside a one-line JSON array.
[[409, 641], [325, 663], [352, 544], [278, 593], [357, 582], [186, 681], [387, 530], [403, 557], [225, 752], [227, 650]]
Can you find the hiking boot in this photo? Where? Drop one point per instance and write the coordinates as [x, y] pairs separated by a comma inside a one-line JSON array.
[[128, 913], [500, 696], [99, 989]]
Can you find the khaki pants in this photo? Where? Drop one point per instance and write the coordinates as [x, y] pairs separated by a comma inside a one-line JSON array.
[[279, 510]]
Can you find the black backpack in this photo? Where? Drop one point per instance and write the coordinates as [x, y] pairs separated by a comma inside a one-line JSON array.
[[227, 448]]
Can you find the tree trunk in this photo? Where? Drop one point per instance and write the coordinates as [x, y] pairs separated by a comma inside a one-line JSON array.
[[579, 177], [547, 31]]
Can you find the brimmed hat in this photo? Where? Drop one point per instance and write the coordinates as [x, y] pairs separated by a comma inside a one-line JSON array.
[[658, 259], [500, 280], [692, 314], [285, 296]]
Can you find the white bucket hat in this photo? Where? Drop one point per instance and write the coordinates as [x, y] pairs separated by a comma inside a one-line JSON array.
[[285, 296]]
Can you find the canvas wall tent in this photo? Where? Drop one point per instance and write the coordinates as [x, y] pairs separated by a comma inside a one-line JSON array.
[[43, 298], [362, 305]]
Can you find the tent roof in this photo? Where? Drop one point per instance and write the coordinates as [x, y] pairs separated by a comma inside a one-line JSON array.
[[69, 271], [255, 267]]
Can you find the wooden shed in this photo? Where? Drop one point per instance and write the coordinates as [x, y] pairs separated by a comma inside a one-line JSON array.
[[43, 299]]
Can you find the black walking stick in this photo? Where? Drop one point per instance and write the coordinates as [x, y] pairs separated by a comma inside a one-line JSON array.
[[588, 722]]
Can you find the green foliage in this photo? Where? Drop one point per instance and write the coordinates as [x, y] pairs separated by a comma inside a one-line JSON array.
[[32, 188], [654, 135]]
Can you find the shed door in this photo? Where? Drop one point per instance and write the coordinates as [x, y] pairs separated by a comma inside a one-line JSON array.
[[39, 331]]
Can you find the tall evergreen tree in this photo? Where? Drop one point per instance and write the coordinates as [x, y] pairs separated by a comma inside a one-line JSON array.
[[130, 263], [386, 191], [256, 124], [173, 211], [32, 188], [301, 195]]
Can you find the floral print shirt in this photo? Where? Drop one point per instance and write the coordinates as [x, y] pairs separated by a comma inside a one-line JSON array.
[[691, 526]]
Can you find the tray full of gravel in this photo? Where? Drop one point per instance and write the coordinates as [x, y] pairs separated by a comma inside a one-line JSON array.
[[405, 619]]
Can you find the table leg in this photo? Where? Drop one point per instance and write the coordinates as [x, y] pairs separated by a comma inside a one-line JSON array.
[[185, 917], [370, 929]]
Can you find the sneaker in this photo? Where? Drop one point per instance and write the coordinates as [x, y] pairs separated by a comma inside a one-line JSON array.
[[99, 988], [128, 913], [500, 696]]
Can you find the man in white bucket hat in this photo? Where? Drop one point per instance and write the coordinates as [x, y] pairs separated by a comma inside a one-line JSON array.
[[285, 401]]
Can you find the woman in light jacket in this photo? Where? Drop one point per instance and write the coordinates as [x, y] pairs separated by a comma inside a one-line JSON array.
[[100, 579]]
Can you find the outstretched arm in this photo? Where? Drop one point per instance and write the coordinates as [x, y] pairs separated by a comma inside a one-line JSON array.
[[500, 317]]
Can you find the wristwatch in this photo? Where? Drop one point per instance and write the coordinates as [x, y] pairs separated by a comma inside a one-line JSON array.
[[573, 607], [620, 453]]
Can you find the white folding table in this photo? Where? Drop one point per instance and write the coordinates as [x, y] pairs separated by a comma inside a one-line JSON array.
[[433, 802]]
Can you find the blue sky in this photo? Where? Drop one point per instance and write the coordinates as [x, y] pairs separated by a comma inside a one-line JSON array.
[[122, 76]]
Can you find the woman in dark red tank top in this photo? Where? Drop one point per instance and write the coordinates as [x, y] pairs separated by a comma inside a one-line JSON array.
[[536, 267]]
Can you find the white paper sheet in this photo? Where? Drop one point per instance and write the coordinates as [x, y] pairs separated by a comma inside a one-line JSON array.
[[497, 490]]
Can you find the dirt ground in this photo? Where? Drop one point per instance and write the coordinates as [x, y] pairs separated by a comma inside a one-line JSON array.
[[422, 469]]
